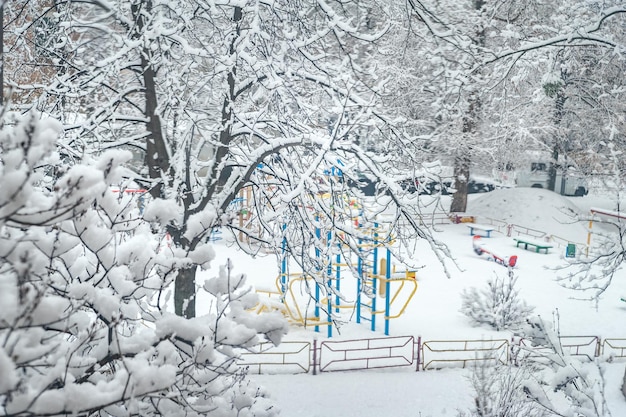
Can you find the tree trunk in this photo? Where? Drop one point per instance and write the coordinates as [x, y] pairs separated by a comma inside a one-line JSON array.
[[559, 111], [462, 161], [461, 178], [185, 292], [157, 155], [624, 384], [552, 169]]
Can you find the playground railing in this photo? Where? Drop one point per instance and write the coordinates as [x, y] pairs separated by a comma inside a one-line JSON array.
[[581, 346], [499, 225], [437, 354], [587, 346], [517, 230], [361, 354], [432, 218], [288, 357], [614, 348], [292, 357], [562, 243]]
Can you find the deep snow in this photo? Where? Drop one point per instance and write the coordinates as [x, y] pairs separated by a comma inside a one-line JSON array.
[[434, 313]]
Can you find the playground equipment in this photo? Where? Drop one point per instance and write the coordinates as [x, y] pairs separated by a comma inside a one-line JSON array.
[[381, 285], [320, 286], [481, 248], [296, 293], [290, 301], [601, 212], [137, 195], [375, 279]]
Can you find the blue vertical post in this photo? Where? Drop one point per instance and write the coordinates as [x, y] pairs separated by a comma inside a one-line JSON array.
[[329, 275], [375, 272], [387, 291], [374, 283], [318, 234], [338, 277], [283, 264], [359, 284]]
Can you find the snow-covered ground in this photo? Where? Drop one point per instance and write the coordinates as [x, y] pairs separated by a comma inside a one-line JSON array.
[[433, 313]]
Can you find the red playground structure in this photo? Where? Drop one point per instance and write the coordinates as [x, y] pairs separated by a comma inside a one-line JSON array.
[[480, 248]]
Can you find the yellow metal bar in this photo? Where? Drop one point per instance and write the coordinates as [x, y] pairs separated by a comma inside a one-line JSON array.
[[413, 291], [396, 294], [589, 235]]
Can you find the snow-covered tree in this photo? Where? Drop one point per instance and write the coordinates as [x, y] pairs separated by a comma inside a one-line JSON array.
[[498, 305], [564, 91], [498, 54], [84, 323], [273, 101]]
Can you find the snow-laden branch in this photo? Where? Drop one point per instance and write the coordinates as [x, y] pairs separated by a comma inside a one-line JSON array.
[[586, 34]]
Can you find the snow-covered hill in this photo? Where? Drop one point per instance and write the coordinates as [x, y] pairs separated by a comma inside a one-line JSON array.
[[534, 208]]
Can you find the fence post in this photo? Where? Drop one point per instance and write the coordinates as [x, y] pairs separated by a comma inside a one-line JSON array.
[[419, 353], [314, 356], [512, 352]]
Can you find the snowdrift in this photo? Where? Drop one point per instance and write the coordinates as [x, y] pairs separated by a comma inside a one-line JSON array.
[[534, 208]]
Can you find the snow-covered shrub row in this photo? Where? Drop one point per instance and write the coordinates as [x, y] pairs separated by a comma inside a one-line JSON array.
[[84, 327]]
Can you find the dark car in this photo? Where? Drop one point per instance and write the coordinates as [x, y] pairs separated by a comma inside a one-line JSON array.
[[446, 187], [424, 187]]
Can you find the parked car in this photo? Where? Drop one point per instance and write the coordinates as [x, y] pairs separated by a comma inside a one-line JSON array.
[[445, 187], [422, 186]]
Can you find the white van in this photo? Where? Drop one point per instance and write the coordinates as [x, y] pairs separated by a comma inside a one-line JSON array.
[[536, 174]]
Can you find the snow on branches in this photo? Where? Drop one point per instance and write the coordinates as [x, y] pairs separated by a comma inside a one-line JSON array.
[[498, 305], [84, 326]]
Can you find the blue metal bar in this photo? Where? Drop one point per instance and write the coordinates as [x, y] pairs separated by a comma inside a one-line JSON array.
[[318, 234], [329, 275], [387, 290], [338, 278], [374, 283], [374, 279], [283, 263], [359, 285]]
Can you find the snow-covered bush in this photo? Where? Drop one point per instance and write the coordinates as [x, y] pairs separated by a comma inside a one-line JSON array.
[[498, 305], [561, 384], [498, 391], [84, 327], [543, 379]]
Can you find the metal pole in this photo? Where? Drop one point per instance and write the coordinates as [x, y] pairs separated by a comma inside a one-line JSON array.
[[359, 285], [314, 356], [374, 283], [338, 278], [419, 353], [283, 264], [329, 297], [318, 235], [387, 291]]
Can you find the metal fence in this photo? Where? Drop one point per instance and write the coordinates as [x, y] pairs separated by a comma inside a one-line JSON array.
[[288, 357], [387, 352], [439, 354], [408, 351]]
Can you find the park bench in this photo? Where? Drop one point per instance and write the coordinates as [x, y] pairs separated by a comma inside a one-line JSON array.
[[538, 245], [474, 228]]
